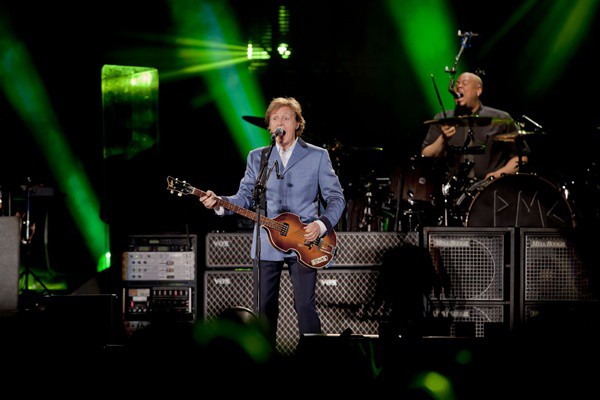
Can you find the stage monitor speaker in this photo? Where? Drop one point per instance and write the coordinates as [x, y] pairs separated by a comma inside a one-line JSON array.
[[10, 245], [355, 249], [344, 300], [79, 321], [473, 264]]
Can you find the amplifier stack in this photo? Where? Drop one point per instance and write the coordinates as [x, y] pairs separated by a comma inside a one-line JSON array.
[[476, 267], [495, 281], [346, 291]]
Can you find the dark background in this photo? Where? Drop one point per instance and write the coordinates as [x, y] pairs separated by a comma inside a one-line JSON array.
[[348, 71]]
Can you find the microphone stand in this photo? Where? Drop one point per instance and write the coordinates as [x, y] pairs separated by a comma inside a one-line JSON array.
[[260, 189], [26, 242], [452, 72]]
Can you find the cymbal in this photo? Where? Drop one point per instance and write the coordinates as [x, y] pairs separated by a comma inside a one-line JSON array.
[[337, 146], [512, 136], [470, 120], [257, 121]]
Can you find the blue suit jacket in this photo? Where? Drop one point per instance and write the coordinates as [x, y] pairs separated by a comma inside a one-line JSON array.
[[308, 172]]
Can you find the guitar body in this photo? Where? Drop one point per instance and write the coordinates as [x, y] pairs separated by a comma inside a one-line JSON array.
[[286, 231], [317, 254]]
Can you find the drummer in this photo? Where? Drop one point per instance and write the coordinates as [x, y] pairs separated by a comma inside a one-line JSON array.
[[484, 139]]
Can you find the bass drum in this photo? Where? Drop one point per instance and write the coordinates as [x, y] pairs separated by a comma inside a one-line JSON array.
[[520, 200]]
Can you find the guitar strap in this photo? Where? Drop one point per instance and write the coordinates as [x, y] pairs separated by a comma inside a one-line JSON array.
[[263, 162]]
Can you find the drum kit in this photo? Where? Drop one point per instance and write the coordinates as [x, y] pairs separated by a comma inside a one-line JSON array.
[[519, 200], [421, 192]]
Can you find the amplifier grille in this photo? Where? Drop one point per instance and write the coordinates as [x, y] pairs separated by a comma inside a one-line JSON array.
[[368, 248], [344, 299], [553, 270], [471, 262]]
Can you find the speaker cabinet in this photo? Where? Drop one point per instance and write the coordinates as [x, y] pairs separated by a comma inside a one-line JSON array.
[[552, 267], [9, 264], [474, 264], [344, 300], [359, 249], [556, 279], [475, 267], [355, 249]]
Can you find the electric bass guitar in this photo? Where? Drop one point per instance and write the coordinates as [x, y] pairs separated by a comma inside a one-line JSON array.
[[285, 231]]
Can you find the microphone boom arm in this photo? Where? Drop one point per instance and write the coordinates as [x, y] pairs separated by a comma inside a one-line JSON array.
[[466, 36]]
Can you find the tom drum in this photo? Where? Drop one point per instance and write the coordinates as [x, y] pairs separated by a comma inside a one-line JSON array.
[[420, 179]]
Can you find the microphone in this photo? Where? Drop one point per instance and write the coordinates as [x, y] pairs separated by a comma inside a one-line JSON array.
[[467, 34], [456, 95], [278, 132]]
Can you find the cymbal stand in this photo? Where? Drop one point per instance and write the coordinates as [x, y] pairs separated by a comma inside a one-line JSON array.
[[27, 236], [446, 194], [519, 144], [367, 218]]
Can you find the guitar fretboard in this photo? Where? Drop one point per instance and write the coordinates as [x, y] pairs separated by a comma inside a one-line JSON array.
[[278, 226]]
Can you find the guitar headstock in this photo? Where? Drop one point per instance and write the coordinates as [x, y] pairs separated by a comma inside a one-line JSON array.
[[174, 185]]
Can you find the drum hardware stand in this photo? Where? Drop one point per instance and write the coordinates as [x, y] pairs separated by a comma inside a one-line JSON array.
[[397, 222], [446, 194], [367, 217], [413, 214], [520, 139], [519, 144]]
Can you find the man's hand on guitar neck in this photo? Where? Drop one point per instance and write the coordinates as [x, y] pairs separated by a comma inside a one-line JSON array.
[[210, 202]]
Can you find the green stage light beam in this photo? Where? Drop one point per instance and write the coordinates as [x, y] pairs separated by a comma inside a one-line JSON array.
[[429, 38], [26, 93], [231, 87]]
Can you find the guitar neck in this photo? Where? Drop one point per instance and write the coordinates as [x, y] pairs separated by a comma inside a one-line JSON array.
[[241, 211]]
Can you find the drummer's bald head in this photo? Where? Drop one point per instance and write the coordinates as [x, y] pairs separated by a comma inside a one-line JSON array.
[[472, 77]]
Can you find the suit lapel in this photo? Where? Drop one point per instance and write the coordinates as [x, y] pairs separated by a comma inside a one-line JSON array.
[[298, 154]]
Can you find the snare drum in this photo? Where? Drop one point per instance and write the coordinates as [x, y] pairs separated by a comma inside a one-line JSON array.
[[520, 200]]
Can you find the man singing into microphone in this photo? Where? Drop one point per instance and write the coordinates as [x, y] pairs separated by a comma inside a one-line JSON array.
[[303, 183]]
